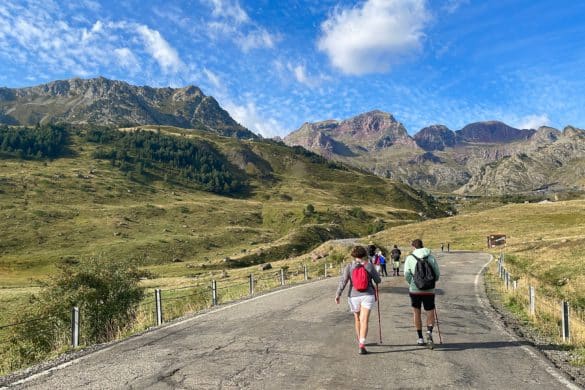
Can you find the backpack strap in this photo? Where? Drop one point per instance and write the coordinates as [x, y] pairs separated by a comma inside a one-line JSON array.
[[423, 259]]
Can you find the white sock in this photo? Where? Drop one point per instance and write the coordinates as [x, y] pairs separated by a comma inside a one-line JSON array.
[[362, 341]]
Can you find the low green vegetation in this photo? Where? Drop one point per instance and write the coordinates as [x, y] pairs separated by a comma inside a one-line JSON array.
[[107, 293], [175, 203], [139, 203]]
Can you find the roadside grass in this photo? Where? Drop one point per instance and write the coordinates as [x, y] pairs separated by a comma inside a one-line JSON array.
[[545, 244]]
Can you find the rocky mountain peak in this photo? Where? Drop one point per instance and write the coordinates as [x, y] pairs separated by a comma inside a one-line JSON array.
[[369, 131], [572, 132], [112, 102], [492, 132], [435, 137]]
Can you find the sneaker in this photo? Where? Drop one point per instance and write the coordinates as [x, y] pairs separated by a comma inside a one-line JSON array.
[[420, 341], [363, 351], [430, 342]]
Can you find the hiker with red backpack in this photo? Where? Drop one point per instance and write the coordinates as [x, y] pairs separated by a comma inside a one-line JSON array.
[[421, 272], [362, 293]]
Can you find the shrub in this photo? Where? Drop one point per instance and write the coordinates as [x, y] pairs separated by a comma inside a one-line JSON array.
[[107, 294]]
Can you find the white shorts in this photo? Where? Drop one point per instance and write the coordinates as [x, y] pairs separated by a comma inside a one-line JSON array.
[[356, 303]]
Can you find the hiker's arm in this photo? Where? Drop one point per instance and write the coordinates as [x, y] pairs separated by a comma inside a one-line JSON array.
[[407, 270], [342, 283]]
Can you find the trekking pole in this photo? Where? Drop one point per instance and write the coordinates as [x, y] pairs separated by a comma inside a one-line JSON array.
[[379, 322], [438, 327]]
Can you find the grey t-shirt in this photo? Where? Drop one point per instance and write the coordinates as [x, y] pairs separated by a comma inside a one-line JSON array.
[[346, 277]]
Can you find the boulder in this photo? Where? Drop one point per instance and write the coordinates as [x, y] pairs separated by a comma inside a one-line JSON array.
[[265, 266]]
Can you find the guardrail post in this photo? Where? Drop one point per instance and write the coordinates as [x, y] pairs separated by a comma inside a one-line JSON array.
[[532, 300], [514, 285], [325, 271], [75, 327], [507, 277], [251, 277], [213, 292], [282, 276], [565, 322], [158, 306], [306, 272]]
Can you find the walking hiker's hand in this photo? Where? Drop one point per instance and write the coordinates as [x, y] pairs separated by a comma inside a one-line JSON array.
[[337, 300]]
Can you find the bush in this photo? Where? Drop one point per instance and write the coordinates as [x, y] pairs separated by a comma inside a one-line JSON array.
[[107, 294]]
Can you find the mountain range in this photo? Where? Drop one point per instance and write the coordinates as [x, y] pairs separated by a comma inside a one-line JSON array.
[[482, 158], [111, 102]]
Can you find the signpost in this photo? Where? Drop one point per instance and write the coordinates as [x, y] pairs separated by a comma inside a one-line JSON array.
[[494, 240]]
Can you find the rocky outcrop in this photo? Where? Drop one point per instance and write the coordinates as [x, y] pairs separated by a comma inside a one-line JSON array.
[[436, 137], [489, 158], [491, 132], [557, 163], [110, 102], [368, 132]]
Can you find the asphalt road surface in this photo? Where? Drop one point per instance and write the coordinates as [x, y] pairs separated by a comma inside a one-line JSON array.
[[298, 338]]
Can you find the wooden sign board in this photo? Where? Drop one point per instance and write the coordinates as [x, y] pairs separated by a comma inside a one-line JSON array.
[[494, 240]]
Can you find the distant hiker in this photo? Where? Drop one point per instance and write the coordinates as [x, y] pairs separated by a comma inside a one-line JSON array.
[[376, 261], [361, 276], [419, 294], [448, 247], [442, 247], [382, 261], [371, 250], [395, 256]]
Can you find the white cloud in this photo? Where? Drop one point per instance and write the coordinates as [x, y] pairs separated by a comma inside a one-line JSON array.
[[41, 38], [232, 22], [249, 116], [375, 36], [127, 59], [255, 39], [453, 5], [533, 121], [301, 75], [160, 49], [229, 10], [214, 79]]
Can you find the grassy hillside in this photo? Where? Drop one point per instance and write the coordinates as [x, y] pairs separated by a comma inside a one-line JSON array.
[[84, 203], [545, 240]]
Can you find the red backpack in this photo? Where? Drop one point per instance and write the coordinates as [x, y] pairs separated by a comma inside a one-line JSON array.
[[360, 278]]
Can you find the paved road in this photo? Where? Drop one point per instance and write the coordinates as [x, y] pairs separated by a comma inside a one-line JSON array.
[[298, 338]]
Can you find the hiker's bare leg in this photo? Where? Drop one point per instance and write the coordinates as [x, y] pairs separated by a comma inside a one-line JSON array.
[[417, 319], [431, 317], [364, 316], [357, 324]]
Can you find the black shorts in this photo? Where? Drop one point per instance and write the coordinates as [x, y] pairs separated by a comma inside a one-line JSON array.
[[427, 300]]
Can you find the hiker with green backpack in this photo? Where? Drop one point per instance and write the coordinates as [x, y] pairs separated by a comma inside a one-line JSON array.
[[362, 295], [421, 272]]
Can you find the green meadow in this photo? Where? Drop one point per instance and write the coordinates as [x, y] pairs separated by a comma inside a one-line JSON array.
[[59, 210]]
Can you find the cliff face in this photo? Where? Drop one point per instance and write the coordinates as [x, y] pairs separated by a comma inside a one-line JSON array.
[[488, 158], [364, 133], [110, 102]]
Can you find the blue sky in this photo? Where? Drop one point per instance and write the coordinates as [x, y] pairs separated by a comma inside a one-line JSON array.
[[276, 64]]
